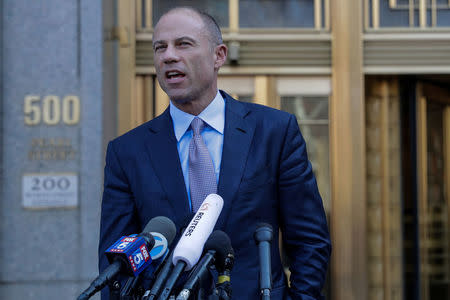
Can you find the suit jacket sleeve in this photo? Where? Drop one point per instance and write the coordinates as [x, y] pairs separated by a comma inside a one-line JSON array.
[[304, 226], [118, 215]]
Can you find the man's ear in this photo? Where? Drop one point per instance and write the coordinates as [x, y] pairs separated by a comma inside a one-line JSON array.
[[221, 52]]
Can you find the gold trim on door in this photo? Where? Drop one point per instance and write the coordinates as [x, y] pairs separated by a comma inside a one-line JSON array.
[[422, 187], [432, 220], [447, 164], [126, 65]]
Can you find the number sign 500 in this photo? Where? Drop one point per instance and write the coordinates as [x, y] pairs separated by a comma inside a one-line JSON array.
[[51, 110]]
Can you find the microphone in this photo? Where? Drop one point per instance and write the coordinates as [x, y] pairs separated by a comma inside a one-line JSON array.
[[263, 237], [163, 231], [190, 246], [224, 264], [165, 267], [217, 248], [129, 255]]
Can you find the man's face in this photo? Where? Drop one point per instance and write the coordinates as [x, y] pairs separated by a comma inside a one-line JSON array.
[[185, 60]]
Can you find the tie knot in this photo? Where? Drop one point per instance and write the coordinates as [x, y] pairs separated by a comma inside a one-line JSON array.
[[197, 125]]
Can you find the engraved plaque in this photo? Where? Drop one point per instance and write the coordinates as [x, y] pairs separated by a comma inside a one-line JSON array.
[[50, 190]]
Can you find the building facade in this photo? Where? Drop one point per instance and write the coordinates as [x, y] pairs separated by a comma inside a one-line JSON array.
[[369, 82]]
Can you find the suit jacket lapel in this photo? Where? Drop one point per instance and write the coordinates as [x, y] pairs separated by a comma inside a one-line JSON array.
[[162, 148], [238, 135]]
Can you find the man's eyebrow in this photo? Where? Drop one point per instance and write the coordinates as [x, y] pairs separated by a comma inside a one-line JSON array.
[[177, 40], [185, 38]]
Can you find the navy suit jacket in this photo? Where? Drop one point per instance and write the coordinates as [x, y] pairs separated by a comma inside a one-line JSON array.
[[265, 176]]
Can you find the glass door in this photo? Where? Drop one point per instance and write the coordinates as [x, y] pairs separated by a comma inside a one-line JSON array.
[[433, 156]]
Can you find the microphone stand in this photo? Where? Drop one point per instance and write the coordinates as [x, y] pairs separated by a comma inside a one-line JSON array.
[[132, 289], [177, 270], [219, 294], [114, 290], [263, 236], [160, 280], [201, 293], [224, 292], [224, 286]]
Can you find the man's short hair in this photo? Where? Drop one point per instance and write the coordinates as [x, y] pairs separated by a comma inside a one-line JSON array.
[[210, 23]]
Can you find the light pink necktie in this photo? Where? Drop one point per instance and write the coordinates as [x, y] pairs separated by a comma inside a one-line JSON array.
[[202, 178]]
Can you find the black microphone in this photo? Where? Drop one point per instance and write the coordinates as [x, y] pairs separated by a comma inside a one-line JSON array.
[[263, 237], [217, 248], [165, 267], [224, 264]]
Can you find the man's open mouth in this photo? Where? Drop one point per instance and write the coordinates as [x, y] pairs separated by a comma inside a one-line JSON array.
[[174, 74]]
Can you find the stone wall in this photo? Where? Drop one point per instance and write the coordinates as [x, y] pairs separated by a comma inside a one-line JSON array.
[[52, 146]]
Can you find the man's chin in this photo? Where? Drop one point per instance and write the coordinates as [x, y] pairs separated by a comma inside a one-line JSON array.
[[180, 99]]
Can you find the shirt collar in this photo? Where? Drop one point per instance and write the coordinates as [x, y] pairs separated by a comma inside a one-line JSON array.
[[213, 115]]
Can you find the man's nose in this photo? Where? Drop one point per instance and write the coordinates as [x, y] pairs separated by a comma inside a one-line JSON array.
[[170, 55]]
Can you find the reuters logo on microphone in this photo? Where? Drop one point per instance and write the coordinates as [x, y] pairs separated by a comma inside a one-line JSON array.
[[193, 223], [205, 206]]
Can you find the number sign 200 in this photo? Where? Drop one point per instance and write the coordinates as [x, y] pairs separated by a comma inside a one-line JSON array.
[[50, 183], [51, 110]]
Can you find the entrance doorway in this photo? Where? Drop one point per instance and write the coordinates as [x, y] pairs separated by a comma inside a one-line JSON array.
[[408, 200]]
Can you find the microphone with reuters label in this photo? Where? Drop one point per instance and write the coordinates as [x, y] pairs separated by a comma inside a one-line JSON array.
[[190, 246]]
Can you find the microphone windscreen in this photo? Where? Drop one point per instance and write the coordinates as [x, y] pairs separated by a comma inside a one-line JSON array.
[[162, 225], [190, 245], [221, 243], [263, 233]]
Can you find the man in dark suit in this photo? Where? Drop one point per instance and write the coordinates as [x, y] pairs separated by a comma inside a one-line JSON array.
[[258, 157]]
